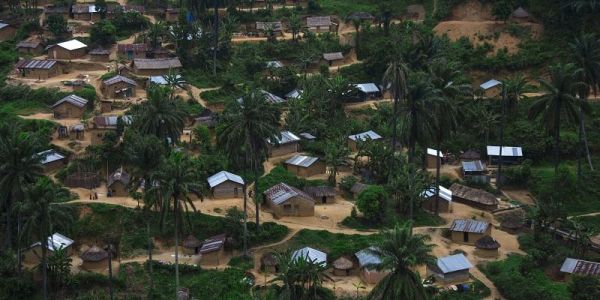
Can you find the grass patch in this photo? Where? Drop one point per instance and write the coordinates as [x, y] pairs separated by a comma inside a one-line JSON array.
[[219, 96], [334, 244], [422, 219], [23, 108], [591, 222], [478, 291]]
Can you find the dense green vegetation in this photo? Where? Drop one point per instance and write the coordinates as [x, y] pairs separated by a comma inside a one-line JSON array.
[[334, 244]]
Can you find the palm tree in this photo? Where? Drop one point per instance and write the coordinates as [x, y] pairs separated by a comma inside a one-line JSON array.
[[485, 120], [175, 179], [444, 124], [406, 186], [336, 154], [295, 25], [400, 251], [385, 16], [248, 125], [156, 34], [160, 115], [587, 55], [559, 102], [299, 275], [394, 80]]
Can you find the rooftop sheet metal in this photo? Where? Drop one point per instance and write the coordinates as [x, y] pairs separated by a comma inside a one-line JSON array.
[[520, 12], [367, 88], [333, 56], [49, 156], [302, 161], [275, 26], [83, 8], [110, 121], [73, 99], [282, 192], [212, 244], [445, 193], [581, 267], [365, 135], [119, 78], [118, 176], [274, 64], [490, 84], [36, 64], [287, 137], [224, 176], [473, 166], [433, 152], [139, 47], [453, 263], [28, 44], [157, 63], [72, 45], [467, 225], [100, 51], [295, 94], [318, 21], [307, 136], [506, 151], [3, 25], [311, 255], [56, 241], [367, 258], [162, 80]]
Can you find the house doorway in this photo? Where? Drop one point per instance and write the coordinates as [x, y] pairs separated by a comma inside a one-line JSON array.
[[235, 192], [465, 236], [324, 200]]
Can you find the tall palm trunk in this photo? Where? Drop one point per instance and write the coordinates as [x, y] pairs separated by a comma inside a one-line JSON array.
[[150, 263], [245, 220], [176, 248], [8, 233], [44, 236], [19, 226], [256, 200], [557, 139], [395, 121], [437, 179], [502, 125], [216, 45]]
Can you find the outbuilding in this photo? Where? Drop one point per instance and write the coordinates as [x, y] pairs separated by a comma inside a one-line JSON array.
[[226, 185], [30, 47], [264, 27], [342, 266], [7, 32], [206, 118], [38, 69], [100, 55], [57, 10], [285, 200], [470, 155], [487, 247], [363, 137], [321, 194], [294, 94], [119, 87], [118, 183], [334, 58], [467, 231], [69, 107], [444, 203], [85, 12], [94, 259], [450, 269], [286, 143], [574, 266], [474, 197], [191, 245], [213, 250], [474, 171], [520, 15], [320, 24], [157, 66], [367, 262], [305, 166], [433, 158], [510, 155], [102, 124], [368, 91], [311, 255], [131, 51], [72, 49], [57, 241], [491, 88], [51, 160]]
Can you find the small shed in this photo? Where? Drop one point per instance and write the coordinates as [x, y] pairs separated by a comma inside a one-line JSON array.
[[510, 155], [156, 66], [367, 136], [226, 185], [450, 269], [311, 255], [57, 10], [473, 197], [305, 166], [269, 263], [118, 87], [162, 80], [131, 51], [85, 12], [444, 203], [433, 158], [57, 241], [368, 91], [51, 160], [213, 250], [72, 49], [491, 88], [320, 24], [334, 58], [474, 171], [286, 143], [285, 200], [31, 47], [7, 32], [94, 259], [38, 68], [269, 97], [69, 107], [100, 54], [580, 267], [100, 125], [487, 247], [367, 262], [467, 231], [321, 194], [117, 184], [206, 118], [357, 188], [191, 245], [342, 266], [360, 15]]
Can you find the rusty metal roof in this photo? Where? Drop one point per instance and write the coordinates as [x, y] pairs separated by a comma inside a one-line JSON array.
[[72, 99], [282, 192], [333, 56], [36, 64], [157, 64], [121, 48], [119, 78], [581, 267]]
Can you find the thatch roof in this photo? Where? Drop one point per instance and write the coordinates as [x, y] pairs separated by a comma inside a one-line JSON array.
[[487, 243], [269, 259], [343, 263], [94, 254], [472, 194], [320, 191], [191, 242], [520, 13], [511, 223]]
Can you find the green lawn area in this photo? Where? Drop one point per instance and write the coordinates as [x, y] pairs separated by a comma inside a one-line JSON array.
[[591, 222], [422, 219], [334, 244], [23, 108]]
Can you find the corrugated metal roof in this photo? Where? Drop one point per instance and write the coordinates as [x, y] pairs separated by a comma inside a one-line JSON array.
[[308, 136], [49, 156], [295, 94], [212, 244], [302, 161], [445, 193], [83, 8], [158, 63], [286, 137], [161, 80], [222, 177], [520, 12], [473, 166], [3, 25], [433, 152], [275, 26], [466, 225], [311, 255], [366, 257], [581, 267], [365, 135], [73, 99], [318, 21], [282, 192], [56, 241], [140, 47], [119, 78], [333, 56], [274, 64], [36, 64], [490, 84], [506, 151], [453, 263], [367, 88], [118, 176], [28, 44], [110, 121], [72, 45], [100, 51]]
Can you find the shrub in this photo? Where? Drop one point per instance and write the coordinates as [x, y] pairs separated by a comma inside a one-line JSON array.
[[347, 183], [584, 287], [371, 202]]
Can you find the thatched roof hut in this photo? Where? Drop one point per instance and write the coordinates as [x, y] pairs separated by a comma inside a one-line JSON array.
[[191, 242], [94, 254], [269, 262], [342, 266], [474, 197], [511, 224], [487, 243]]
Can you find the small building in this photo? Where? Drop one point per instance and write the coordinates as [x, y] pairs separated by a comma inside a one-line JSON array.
[[119, 87], [191, 245], [320, 24], [172, 14], [334, 58], [310, 255], [294, 94], [69, 107], [94, 258], [433, 158], [131, 51], [72, 49], [285, 143], [30, 47], [357, 188], [213, 250], [444, 203], [367, 136], [450, 269], [473, 197], [361, 16], [100, 125], [321, 194], [470, 155], [158, 52], [85, 12], [474, 171], [100, 55], [206, 118], [38, 69], [487, 247], [226, 185], [51, 160], [157, 66], [520, 15], [305, 166], [269, 263], [510, 155], [491, 88], [264, 27], [57, 10], [367, 262], [368, 91], [342, 266], [467, 231], [118, 183], [7, 32], [57, 241], [269, 97], [285, 200], [579, 267]]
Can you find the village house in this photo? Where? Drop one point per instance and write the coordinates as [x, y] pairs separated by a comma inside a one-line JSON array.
[[119, 87], [171, 14], [491, 88], [51, 160], [450, 269], [305, 166], [310, 255], [285, 200], [57, 241], [30, 47], [213, 250], [100, 55], [118, 182], [158, 66], [72, 49], [57, 10], [467, 231], [100, 125], [367, 260], [206, 118], [574, 266], [320, 24], [360, 15], [474, 171], [69, 107], [158, 52], [342, 266], [85, 12], [444, 203], [94, 259], [363, 137], [284, 144], [357, 188], [132, 51], [38, 69], [321, 194], [334, 58], [368, 91], [510, 155], [7, 32], [487, 247], [474, 197], [433, 158], [226, 185], [191, 245], [264, 27]]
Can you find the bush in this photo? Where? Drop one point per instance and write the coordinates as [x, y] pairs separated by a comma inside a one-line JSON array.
[[347, 183], [584, 287], [242, 262], [103, 33], [371, 202]]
